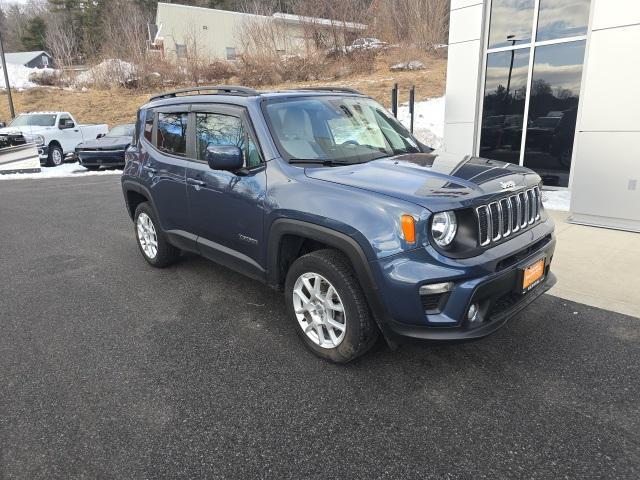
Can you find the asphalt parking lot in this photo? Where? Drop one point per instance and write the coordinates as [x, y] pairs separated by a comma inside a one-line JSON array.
[[111, 369]]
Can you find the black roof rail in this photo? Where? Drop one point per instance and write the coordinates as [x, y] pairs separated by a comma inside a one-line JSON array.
[[218, 89], [332, 89]]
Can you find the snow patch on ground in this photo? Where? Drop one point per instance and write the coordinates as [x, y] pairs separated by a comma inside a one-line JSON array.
[[556, 199], [108, 72], [428, 122], [18, 77], [64, 170]]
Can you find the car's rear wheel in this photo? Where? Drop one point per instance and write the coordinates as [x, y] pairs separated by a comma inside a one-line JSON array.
[[55, 157], [152, 241], [328, 307]]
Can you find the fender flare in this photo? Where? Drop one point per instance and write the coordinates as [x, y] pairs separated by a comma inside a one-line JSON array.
[[345, 243], [131, 186]]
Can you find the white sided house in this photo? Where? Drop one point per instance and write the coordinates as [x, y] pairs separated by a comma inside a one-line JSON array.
[[183, 31], [552, 85]]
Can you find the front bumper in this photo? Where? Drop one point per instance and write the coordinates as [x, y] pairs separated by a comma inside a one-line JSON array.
[[43, 153], [105, 158], [493, 281]]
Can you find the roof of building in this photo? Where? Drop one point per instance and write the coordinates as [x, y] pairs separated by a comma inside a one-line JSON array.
[[286, 17], [22, 58]]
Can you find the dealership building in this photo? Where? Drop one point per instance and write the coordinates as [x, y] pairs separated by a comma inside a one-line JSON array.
[[552, 85]]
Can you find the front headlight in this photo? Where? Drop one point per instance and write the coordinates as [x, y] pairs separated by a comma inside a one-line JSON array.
[[37, 139], [444, 227]]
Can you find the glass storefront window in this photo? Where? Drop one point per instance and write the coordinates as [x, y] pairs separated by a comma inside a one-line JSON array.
[[530, 105], [504, 100], [553, 108], [510, 22], [562, 18]]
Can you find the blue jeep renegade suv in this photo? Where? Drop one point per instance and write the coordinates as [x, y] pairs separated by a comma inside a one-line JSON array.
[[324, 195]]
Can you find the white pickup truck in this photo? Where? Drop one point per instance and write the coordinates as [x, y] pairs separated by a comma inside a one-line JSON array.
[[57, 134]]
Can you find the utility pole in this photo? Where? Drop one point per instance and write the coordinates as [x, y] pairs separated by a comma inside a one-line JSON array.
[[6, 79]]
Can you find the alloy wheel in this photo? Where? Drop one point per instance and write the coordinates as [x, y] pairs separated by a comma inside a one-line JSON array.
[[147, 235], [319, 310]]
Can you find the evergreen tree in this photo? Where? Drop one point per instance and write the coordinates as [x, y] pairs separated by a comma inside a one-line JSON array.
[[33, 37]]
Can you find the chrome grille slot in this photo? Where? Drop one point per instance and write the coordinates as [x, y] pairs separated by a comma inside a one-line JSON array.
[[532, 206], [524, 209], [484, 234], [515, 213], [538, 201], [508, 215], [505, 212], [496, 230]]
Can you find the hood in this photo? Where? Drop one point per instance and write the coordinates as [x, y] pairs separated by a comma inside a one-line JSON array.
[[33, 130], [433, 181], [106, 143]]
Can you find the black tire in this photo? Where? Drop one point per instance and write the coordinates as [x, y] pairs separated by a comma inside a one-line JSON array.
[[166, 253], [361, 331], [54, 151]]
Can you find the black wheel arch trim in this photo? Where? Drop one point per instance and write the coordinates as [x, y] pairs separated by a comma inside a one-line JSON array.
[[132, 186], [335, 239]]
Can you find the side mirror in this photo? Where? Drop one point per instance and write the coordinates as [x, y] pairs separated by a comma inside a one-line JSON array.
[[224, 157], [100, 135], [2, 124]]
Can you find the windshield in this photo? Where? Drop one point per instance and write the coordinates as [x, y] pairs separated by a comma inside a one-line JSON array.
[[34, 120], [336, 129], [121, 131]]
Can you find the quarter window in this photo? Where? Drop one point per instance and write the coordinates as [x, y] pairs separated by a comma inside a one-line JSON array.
[[148, 125], [172, 133]]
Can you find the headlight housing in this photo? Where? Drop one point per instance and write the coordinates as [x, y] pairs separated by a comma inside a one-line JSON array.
[[37, 139], [444, 227]]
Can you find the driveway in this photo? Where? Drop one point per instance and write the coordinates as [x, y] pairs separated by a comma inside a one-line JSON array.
[[111, 369]]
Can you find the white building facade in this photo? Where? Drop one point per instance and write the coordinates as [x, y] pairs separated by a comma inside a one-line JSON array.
[[186, 31], [552, 85]]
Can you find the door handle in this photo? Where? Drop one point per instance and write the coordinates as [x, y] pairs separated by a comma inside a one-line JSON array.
[[149, 169], [196, 182]]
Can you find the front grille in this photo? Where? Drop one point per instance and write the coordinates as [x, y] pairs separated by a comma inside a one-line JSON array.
[[502, 218]]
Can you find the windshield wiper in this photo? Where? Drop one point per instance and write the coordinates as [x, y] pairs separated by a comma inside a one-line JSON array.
[[320, 161]]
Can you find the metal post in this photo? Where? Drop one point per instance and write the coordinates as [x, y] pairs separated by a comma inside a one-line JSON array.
[[394, 100], [6, 79], [412, 103]]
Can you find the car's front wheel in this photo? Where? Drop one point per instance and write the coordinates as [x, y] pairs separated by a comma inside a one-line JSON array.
[[328, 308], [153, 243], [55, 157]]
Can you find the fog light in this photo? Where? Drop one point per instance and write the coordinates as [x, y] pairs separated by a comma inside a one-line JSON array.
[[472, 314], [434, 288]]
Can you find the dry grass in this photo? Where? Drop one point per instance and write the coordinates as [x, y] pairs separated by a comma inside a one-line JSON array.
[[120, 105]]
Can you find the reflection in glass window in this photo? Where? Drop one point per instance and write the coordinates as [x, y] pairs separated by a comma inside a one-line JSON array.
[[503, 112], [562, 18], [553, 107], [172, 133], [216, 129], [511, 22]]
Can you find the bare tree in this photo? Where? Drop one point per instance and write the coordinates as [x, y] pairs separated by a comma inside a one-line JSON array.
[[421, 22], [124, 31], [61, 40]]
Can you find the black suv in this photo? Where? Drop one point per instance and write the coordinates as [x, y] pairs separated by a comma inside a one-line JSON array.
[[325, 195]]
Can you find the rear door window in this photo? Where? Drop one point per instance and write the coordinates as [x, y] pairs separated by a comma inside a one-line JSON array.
[[172, 133]]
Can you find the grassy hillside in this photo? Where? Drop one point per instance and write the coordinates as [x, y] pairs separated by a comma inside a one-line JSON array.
[[120, 105]]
